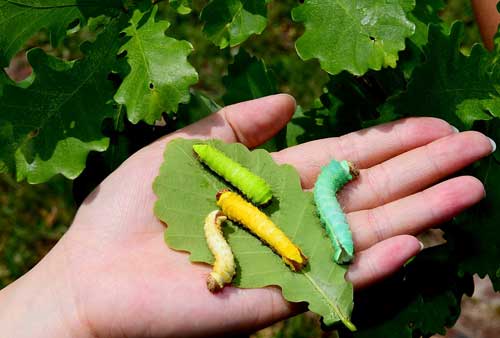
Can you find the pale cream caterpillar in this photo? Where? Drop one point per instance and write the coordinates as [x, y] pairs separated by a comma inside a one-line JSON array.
[[224, 267]]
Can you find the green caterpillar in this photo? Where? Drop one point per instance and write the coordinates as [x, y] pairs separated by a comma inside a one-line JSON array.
[[331, 179], [251, 185]]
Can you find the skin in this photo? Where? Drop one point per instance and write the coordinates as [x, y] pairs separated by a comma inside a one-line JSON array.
[[487, 18], [111, 275]]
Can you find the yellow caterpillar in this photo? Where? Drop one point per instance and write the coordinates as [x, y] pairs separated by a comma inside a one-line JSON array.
[[224, 267], [239, 210]]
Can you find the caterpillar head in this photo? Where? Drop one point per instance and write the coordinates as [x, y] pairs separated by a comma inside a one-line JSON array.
[[213, 285], [296, 265], [353, 170], [220, 192]]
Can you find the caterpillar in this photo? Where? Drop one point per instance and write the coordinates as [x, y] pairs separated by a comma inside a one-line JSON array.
[[237, 209], [331, 179], [224, 268], [252, 186]]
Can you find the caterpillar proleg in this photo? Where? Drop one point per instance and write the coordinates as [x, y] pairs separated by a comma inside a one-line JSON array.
[[224, 267], [331, 179], [254, 187], [237, 209]]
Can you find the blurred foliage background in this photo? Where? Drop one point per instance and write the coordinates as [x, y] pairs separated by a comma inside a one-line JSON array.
[[33, 217]]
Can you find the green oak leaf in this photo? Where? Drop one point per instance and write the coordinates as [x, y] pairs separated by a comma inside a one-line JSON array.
[[475, 233], [460, 89], [426, 12], [20, 19], [51, 126], [182, 7], [247, 79], [4, 80], [294, 130], [349, 103], [230, 22], [184, 182], [198, 107], [160, 74], [353, 35], [407, 5]]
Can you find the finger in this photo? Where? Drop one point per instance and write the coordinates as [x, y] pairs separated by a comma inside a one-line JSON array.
[[381, 260], [365, 148], [251, 122], [414, 170], [415, 213]]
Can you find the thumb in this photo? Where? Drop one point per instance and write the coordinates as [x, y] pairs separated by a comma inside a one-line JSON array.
[[251, 122]]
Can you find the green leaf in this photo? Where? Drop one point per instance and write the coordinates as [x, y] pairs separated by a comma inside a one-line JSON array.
[[51, 126], [184, 182], [349, 103], [160, 74], [198, 107], [294, 129], [247, 79], [4, 80], [475, 233], [313, 124], [20, 19], [426, 12], [353, 35], [182, 7], [460, 89], [230, 22]]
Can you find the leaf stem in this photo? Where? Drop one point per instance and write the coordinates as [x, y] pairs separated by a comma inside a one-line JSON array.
[[342, 316]]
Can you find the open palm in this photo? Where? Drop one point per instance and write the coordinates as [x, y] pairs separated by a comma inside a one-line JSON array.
[[118, 278]]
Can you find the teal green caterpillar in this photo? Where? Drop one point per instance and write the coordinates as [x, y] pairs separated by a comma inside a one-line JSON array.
[[331, 179], [252, 186]]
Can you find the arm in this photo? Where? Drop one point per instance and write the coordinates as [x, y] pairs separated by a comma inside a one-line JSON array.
[[488, 18]]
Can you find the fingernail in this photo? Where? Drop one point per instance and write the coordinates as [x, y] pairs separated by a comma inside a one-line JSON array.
[[493, 145], [455, 129], [422, 246]]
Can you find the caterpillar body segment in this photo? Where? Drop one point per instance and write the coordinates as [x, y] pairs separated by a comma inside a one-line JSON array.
[[224, 267], [331, 179], [252, 186], [237, 209]]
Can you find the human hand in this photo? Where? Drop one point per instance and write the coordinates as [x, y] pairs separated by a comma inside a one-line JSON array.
[[487, 18], [111, 275]]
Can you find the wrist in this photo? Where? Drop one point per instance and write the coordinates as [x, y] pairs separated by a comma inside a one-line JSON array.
[[39, 305]]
